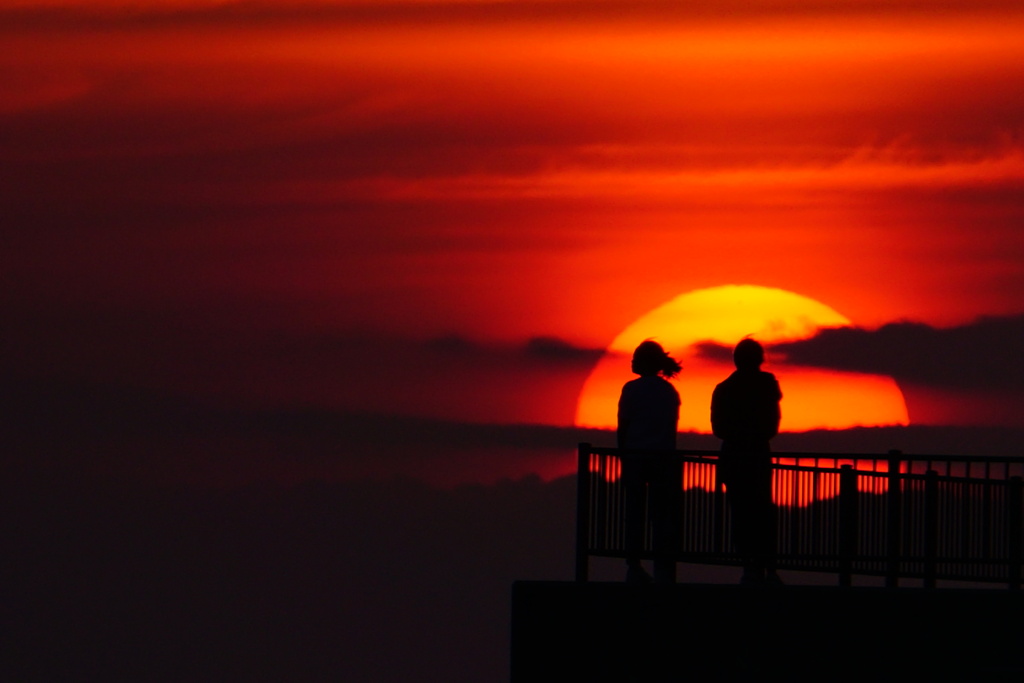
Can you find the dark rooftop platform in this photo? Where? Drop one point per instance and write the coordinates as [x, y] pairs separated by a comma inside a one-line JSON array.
[[596, 632]]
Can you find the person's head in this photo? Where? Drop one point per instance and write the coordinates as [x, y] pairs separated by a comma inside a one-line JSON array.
[[650, 359], [748, 355]]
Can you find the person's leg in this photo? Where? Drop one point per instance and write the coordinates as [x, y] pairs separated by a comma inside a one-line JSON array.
[[635, 501], [665, 504], [747, 521]]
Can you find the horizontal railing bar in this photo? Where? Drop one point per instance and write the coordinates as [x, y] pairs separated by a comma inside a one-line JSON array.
[[702, 458], [810, 455], [868, 474]]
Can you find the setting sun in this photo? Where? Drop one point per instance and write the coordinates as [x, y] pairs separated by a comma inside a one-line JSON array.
[[812, 398]]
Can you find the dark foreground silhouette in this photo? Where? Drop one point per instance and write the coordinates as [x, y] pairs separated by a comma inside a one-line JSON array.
[[612, 632], [358, 582], [745, 414], [648, 419]]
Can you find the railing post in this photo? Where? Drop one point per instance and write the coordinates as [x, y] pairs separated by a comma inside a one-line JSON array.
[[847, 523], [931, 528], [893, 537], [719, 501], [582, 512], [1015, 522]]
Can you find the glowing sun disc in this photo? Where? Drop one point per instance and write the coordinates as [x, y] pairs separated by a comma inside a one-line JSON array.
[[812, 398]]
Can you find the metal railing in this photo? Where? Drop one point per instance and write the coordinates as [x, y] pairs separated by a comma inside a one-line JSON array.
[[894, 516]]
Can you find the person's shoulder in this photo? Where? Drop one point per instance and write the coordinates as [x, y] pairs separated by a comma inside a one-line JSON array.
[[730, 380], [650, 385], [771, 382], [665, 384], [669, 388], [655, 383], [725, 390], [631, 385], [637, 385]]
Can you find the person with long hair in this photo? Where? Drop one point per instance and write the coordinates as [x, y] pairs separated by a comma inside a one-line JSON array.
[[648, 419]]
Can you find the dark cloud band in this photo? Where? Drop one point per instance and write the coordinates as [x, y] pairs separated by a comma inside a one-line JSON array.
[[985, 354]]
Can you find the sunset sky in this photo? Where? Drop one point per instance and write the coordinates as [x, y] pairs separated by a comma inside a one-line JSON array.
[[352, 240], [447, 210]]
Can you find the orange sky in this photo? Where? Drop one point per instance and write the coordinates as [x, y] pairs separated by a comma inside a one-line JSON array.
[[276, 267], [237, 177]]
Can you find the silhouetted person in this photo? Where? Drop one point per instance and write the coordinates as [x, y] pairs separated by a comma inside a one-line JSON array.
[[648, 417], [745, 415]]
